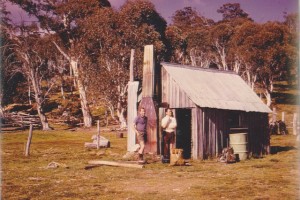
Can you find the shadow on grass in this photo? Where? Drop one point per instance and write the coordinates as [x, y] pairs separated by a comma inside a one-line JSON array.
[[285, 98], [276, 149], [287, 87]]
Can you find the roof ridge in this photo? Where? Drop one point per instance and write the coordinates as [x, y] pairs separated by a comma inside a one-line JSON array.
[[198, 68]]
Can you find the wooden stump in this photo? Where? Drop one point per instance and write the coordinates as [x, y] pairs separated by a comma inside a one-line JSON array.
[[119, 135]]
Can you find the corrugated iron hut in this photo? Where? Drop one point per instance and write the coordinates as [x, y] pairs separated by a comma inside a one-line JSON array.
[[209, 105]]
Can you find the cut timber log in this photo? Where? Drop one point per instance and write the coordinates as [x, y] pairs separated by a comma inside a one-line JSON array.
[[113, 163], [94, 145]]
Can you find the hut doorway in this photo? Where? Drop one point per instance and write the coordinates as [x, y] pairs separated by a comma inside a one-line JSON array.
[[183, 131]]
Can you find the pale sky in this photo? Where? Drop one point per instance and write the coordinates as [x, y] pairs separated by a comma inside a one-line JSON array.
[[259, 10]]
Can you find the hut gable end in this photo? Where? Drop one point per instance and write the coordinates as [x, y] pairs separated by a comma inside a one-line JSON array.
[[172, 94]]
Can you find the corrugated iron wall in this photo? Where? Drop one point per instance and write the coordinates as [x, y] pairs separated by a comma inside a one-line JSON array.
[[259, 136], [131, 113], [210, 131]]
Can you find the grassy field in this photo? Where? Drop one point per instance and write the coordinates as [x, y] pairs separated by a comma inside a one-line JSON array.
[[274, 176]]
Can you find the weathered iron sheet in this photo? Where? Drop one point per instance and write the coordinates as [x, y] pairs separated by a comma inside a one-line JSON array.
[[148, 71], [131, 113], [212, 89]]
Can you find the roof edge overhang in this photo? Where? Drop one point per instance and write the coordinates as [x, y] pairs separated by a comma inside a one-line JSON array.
[[197, 68]]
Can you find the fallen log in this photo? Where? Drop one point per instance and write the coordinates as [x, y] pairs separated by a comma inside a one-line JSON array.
[[113, 163]]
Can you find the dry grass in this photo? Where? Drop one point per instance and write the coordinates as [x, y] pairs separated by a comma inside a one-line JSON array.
[[275, 176]]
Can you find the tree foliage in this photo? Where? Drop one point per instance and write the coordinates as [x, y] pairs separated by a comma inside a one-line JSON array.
[[109, 36], [95, 42], [231, 11]]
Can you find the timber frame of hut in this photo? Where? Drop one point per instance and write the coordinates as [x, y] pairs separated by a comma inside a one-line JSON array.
[[208, 105]]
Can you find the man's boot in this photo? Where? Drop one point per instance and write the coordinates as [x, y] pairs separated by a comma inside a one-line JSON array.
[[140, 157]]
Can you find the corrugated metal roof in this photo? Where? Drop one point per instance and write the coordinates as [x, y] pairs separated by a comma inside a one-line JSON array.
[[216, 89]]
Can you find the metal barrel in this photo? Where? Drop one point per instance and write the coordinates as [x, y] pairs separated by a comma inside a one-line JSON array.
[[238, 141]]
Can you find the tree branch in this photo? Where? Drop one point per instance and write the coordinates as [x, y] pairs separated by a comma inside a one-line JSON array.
[[61, 51]]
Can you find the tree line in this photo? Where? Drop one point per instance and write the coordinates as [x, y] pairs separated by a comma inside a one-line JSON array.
[[86, 45]]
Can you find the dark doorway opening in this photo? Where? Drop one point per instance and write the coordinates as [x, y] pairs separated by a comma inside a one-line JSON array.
[[183, 131]]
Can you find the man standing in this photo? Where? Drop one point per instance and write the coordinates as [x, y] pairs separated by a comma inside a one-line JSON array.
[[140, 128], [169, 125]]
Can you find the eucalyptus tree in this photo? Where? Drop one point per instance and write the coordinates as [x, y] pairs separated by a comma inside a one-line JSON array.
[[109, 36], [266, 53], [274, 57], [5, 50], [33, 57], [231, 11], [292, 22], [244, 52], [221, 36], [60, 18], [105, 70], [188, 38], [141, 25]]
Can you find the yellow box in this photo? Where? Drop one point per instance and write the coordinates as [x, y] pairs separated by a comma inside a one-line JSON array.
[[176, 157]]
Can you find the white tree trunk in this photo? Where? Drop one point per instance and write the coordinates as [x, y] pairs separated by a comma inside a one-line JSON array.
[[222, 55], [268, 97], [237, 65], [62, 88], [248, 78], [87, 118], [112, 112], [223, 59], [251, 79], [1, 108], [193, 57], [122, 120], [120, 107], [29, 93], [39, 100]]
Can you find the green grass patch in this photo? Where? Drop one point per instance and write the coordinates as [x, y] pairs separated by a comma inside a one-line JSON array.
[[274, 175]]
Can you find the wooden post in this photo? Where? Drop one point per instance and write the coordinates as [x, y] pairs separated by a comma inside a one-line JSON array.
[[98, 134], [295, 124], [217, 144], [22, 122], [131, 75], [222, 142], [282, 116], [106, 117], [28, 141], [29, 95]]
